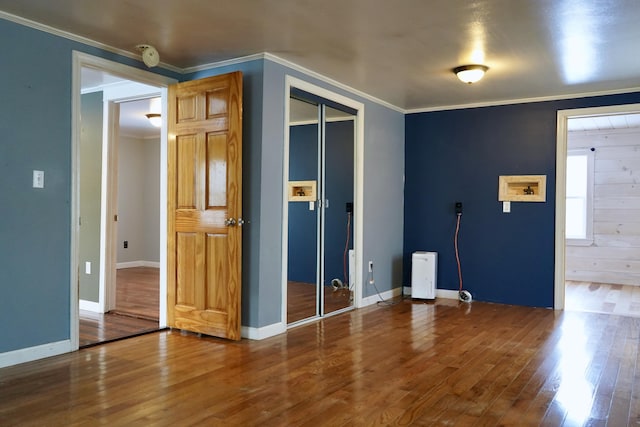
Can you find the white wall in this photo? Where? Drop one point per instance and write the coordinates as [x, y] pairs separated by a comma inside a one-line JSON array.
[[614, 256], [138, 200]]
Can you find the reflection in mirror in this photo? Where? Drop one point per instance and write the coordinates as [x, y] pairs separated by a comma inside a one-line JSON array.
[[320, 239], [338, 216], [303, 215]]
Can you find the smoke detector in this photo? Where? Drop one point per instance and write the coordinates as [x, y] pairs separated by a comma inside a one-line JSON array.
[[150, 55]]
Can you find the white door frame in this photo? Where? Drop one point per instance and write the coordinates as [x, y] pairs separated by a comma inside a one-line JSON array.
[[79, 61], [293, 82], [561, 182]]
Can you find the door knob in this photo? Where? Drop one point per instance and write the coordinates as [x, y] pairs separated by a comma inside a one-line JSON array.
[[240, 221], [230, 222]]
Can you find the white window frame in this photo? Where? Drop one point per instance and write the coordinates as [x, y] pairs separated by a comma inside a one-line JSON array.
[[588, 239]]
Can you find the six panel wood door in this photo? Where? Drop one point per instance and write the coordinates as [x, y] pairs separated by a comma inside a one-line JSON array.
[[205, 192]]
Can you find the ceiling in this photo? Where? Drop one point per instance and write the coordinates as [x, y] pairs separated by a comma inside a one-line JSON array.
[[399, 52], [133, 120]]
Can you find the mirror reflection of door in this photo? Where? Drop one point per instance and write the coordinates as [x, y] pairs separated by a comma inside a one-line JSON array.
[[321, 182]]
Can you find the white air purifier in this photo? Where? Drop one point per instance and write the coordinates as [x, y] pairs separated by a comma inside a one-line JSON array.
[[424, 271]]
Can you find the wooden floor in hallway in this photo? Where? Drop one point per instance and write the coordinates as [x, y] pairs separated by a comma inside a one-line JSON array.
[[414, 363], [136, 312], [623, 300]]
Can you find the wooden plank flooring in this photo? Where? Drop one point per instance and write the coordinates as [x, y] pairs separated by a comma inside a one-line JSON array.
[[623, 300], [137, 305], [97, 328], [301, 300], [138, 292], [413, 363]]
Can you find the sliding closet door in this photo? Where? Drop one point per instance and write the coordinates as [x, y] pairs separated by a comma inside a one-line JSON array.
[[338, 156], [320, 206], [304, 225]]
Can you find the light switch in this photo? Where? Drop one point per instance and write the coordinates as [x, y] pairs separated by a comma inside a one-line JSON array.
[[506, 207], [87, 267], [38, 179]]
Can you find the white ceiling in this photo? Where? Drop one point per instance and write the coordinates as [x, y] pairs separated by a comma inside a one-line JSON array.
[[604, 123], [400, 52], [133, 120]]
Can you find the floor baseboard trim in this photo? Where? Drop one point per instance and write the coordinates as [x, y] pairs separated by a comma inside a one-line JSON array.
[[133, 264], [373, 299], [264, 332], [440, 293], [90, 306], [30, 354]]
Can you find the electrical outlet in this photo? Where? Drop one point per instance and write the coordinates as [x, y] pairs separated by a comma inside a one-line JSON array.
[[126, 244], [370, 266], [458, 207]]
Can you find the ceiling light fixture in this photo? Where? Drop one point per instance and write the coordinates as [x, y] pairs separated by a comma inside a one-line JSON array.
[[155, 119], [150, 55], [470, 73], [155, 107]]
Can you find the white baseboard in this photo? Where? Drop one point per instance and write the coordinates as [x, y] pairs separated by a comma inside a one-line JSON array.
[[446, 293], [373, 299], [90, 306], [132, 264], [264, 332], [440, 293], [30, 354]]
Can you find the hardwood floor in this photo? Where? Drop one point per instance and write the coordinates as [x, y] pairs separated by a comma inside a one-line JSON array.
[[137, 302], [413, 363], [594, 297], [138, 292], [301, 300], [98, 328]]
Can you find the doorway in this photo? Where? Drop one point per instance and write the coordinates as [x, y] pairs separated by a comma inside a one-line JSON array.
[[597, 210], [321, 225], [104, 268], [119, 171]]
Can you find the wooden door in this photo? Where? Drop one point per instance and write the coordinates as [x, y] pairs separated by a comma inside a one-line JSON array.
[[205, 205]]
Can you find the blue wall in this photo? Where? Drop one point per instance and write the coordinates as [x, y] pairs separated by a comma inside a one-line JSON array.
[[303, 228], [339, 174], [35, 124], [457, 156], [35, 228]]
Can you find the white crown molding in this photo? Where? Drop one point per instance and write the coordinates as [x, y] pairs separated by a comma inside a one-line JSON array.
[[273, 58], [306, 71], [310, 73], [224, 63], [523, 100], [80, 39]]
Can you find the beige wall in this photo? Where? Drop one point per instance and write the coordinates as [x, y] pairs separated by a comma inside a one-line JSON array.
[[139, 200], [90, 182]]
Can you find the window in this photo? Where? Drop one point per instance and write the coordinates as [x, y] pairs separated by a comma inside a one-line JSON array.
[[579, 220]]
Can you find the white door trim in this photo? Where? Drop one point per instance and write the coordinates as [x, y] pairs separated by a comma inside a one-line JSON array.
[[294, 82], [561, 179], [80, 60]]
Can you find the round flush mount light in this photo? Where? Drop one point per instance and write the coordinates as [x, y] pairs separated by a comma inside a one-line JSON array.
[[155, 119], [470, 73], [150, 55]]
